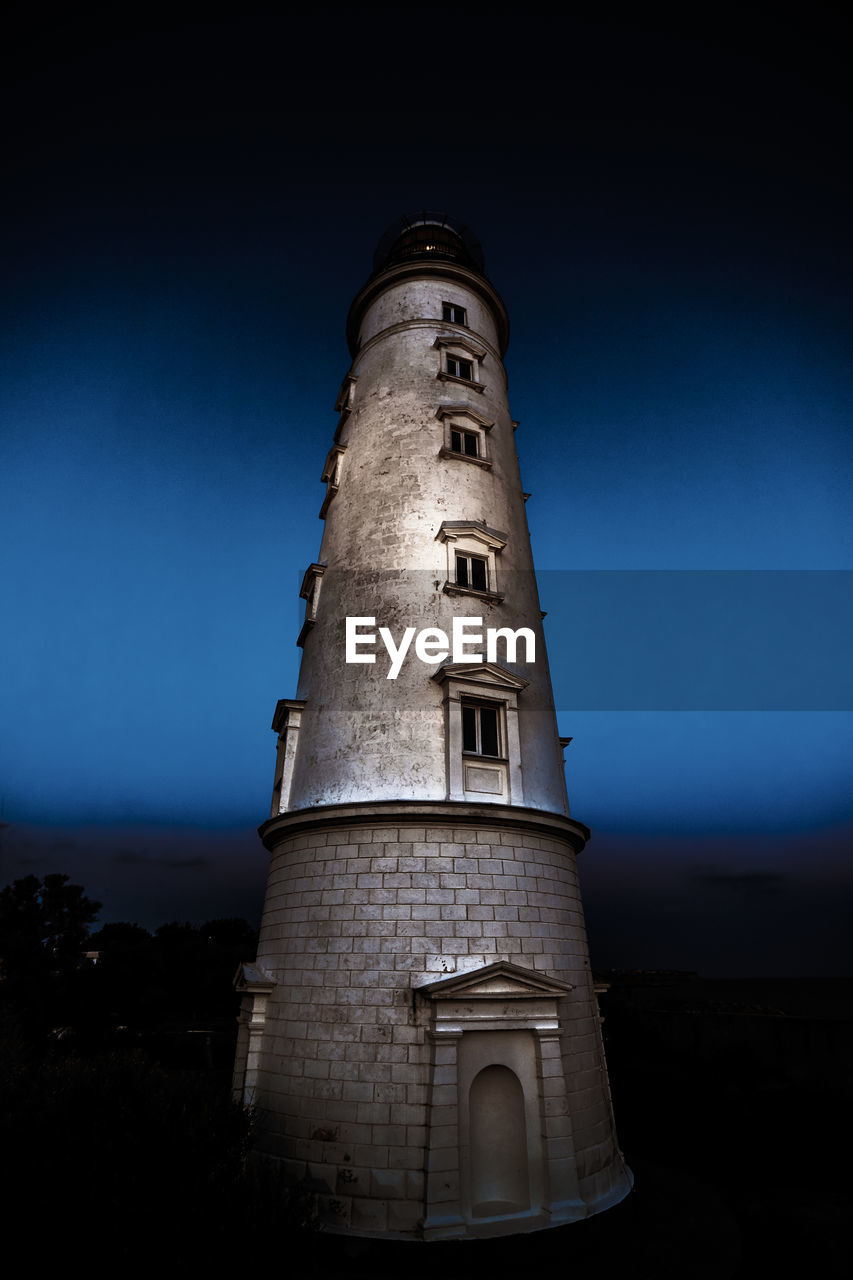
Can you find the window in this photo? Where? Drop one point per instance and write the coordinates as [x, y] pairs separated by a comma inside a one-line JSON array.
[[343, 404], [286, 722], [464, 442], [461, 359], [310, 593], [459, 368], [471, 550], [456, 315], [473, 572], [482, 732], [331, 476], [481, 729], [465, 434]]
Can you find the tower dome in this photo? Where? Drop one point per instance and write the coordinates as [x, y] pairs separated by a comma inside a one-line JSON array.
[[429, 236], [429, 245]]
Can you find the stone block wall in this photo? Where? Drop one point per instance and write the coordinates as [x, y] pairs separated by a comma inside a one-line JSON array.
[[355, 919]]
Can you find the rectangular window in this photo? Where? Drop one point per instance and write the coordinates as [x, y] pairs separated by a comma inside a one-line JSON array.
[[459, 368], [456, 315], [472, 571], [480, 730], [464, 442]]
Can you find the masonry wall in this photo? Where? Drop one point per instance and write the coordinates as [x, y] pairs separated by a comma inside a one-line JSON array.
[[384, 560], [355, 919]]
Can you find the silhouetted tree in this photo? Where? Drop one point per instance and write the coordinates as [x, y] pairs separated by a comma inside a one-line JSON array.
[[44, 932], [120, 936], [231, 932], [44, 925], [124, 989]]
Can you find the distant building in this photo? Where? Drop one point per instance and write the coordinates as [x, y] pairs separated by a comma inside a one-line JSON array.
[[420, 1031]]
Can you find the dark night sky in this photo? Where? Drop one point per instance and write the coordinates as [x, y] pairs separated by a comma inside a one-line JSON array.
[[190, 208]]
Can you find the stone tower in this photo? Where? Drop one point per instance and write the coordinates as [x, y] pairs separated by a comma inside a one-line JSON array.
[[420, 1031]]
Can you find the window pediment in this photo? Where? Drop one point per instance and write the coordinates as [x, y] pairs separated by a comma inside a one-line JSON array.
[[343, 404], [286, 723], [286, 711], [464, 411], [465, 434], [312, 573], [472, 549], [253, 978], [488, 674], [453, 529], [310, 593], [462, 343], [331, 476], [332, 463]]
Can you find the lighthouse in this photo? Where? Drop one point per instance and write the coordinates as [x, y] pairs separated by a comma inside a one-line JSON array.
[[419, 1032]]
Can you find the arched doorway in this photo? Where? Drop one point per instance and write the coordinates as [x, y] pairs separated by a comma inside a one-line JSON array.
[[500, 1179]]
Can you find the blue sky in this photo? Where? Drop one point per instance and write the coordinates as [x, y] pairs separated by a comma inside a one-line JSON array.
[[182, 248]]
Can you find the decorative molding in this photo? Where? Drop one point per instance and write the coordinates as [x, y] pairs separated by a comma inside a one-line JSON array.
[[332, 463], [496, 980], [312, 573], [255, 986], [284, 709], [452, 529], [517, 1016], [443, 376], [377, 284], [488, 597], [310, 592], [286, 723], [460, 340], [514, 818], [485, 463], [253, 978], [464, 411], [490, 674], [343, 404]]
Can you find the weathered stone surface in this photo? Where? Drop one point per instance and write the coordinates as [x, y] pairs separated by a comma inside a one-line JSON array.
[[410, 1105]]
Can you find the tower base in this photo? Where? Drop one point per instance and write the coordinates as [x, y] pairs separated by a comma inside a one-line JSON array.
[[420, 1033]]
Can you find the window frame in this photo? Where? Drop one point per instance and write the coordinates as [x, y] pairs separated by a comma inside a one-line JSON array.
[[344, 402], [461, 367], [488, 685], [286, 723], [470, 539], [312, 584], [331, 476], [449, 314], [459, 348], [467, 579], [478, 706], [464, 436], [459, 418]]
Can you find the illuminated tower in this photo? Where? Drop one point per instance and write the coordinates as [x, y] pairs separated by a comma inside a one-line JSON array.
[[420, 1032]]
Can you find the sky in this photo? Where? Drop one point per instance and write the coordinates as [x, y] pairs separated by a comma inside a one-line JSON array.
[[665, 208]]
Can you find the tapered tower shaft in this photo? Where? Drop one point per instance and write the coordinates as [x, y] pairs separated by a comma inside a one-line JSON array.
[[420, 1030]]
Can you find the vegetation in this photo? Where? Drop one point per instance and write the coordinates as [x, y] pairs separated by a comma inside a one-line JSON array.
[[115, 1109], [117, 1125]]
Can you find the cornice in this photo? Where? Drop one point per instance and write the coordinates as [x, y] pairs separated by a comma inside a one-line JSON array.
[[453, 813], [428, 322], [427, 270]]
